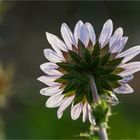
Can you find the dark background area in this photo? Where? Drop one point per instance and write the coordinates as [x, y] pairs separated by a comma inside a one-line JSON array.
[[22, 40]]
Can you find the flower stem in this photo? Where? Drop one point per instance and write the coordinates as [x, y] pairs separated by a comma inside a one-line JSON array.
[[103, 133], [94, 89], [102, 128]]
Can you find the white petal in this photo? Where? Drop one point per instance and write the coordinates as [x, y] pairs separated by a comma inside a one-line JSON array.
[[130, 68], [129, 54], [49, 80], [119, 45], [76, 111], [85, 112], [124, 89], [106, 33], [65, 103], [90, 116], [114, 100], [55, 100], [50, 68], [127, 78], [67, 36], [91, 32], [84, 35], [53, 56], [122, 43], [77, 30], [49, 91], [115, 37], [56, 43], [117, 41]]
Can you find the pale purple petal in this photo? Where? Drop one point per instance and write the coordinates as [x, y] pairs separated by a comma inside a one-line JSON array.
[[127, 78], [85, 112], [124, 89], [119, 45], [68, 36], [76, 111], [55, 100], [56, 43], [65, 103], [84, 35], [49, 91], [91, 33], [90, 116], [106, 33], [50, 68], [115, 38], [49, 80], [122, 43], [53, 56], [130, 68], [129, 54], [77, 30]]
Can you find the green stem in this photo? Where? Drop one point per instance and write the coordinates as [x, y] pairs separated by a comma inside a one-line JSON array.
[[102, 129]]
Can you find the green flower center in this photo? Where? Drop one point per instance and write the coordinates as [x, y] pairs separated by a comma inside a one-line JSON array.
[[85, 62]]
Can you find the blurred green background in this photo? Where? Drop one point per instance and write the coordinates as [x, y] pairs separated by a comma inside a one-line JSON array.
[[22, 40]]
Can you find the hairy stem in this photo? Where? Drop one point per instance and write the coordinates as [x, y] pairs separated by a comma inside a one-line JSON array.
[[103, 133], [94, 89], [102, 129]]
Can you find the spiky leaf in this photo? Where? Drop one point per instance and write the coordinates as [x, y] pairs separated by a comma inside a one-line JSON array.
[[74, 57]]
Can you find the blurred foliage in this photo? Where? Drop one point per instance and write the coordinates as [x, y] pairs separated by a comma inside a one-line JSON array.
[[6, 77], [22, 40]]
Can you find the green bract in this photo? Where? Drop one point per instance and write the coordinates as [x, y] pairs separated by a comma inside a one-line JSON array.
[[85, 62]]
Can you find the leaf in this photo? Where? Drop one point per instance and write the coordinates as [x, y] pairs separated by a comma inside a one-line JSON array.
[[79, 96], [105, 59], [106, 85], [96, 50], [105, 70], [81, 48], [95, 62], [74, 56], [65, 78], [118, 70], [115, 84], [87, 56], [69, 88], [113, 77], [89, 95], [67, 66], [105, 50], [115, 62]]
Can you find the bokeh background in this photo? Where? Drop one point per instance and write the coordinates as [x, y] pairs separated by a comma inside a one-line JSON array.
[[22, 39]]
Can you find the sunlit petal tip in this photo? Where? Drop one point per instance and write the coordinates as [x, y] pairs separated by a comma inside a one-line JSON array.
[[77, 30], [119, 31], [106, 33], [68, 36], [92, 35]]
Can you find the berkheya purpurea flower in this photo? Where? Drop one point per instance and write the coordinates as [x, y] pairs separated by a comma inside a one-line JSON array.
[[87, 72]]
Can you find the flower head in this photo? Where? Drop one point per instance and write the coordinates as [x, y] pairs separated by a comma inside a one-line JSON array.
[[80, 56]]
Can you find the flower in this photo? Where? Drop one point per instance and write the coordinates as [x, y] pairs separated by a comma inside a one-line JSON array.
[[81, 55]]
